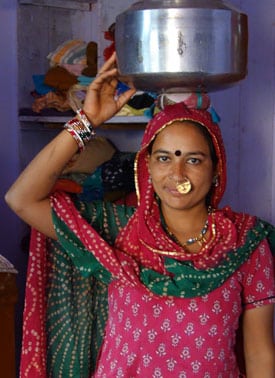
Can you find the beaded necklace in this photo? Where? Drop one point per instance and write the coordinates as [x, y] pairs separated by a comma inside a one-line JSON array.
[[200, 239]]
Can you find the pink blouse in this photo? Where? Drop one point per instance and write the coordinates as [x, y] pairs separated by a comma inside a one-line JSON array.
[[153, 336]]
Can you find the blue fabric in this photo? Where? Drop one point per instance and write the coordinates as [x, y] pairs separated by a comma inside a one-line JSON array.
[[39, 85]]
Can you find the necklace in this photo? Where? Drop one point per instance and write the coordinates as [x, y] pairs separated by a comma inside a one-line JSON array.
[[200, 239]]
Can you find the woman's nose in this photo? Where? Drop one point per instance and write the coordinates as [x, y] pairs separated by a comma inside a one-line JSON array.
[[177, 171]]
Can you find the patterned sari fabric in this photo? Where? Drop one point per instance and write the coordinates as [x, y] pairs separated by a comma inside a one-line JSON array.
[[171, 313]]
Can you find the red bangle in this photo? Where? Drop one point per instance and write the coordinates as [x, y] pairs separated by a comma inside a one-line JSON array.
[[85, 121]]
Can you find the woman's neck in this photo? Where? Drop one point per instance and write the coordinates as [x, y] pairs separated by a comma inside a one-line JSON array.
[[185, 224]]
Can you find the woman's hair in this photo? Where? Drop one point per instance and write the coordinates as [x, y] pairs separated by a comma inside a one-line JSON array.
[[208, 138]]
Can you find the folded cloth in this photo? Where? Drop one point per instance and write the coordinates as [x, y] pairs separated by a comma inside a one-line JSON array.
[[84, 80], [91, 56], [111, 180], [128, 110], [141, 101], [60, 78], [97, 151], [53, 100], [118, 172], [67, 185], [193, 100], [75, 69], [39, 85], [69, 52]]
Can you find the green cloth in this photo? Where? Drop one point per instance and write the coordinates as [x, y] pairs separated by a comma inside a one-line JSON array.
[[77, 290], [189, 282], [76, 315]]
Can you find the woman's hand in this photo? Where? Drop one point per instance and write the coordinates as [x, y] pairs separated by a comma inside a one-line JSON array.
[[101, 101]]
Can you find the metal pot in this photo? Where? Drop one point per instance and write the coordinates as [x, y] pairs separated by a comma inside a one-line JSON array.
[[182, 45]]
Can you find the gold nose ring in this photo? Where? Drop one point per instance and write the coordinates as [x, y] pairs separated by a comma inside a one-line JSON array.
[[184, 187]]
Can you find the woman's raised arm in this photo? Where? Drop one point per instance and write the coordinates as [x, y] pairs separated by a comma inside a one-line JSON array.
[[28, 197]]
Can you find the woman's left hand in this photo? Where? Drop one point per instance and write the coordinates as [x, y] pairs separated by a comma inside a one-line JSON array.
[[101, 101]]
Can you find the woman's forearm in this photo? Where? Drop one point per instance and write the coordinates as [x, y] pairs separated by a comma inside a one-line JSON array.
[[259, 348], [37, 180], [263, 369]]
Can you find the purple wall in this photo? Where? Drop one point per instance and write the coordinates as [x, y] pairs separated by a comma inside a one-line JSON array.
[[9, 157], [8, 123]]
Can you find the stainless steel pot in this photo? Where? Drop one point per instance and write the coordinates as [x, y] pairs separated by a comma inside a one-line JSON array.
[[182, 45]]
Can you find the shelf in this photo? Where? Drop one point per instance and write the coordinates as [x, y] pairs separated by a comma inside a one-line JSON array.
[[53, 119], [67, 4]]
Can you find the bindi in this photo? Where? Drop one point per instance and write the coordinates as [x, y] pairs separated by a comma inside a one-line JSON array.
[[177, 152]]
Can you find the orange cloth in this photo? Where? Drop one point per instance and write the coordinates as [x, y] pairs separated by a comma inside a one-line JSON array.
[[53, 100]]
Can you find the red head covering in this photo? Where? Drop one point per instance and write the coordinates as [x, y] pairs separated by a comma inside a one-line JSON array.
[[144, 232], [170, 114]]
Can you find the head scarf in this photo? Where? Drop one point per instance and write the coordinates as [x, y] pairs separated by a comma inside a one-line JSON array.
[[170, 114], [144, 233]]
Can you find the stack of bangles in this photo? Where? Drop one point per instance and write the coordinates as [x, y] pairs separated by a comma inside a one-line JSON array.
[[80, 129]]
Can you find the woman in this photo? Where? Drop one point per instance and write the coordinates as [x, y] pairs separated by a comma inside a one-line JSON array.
[[181, 273]]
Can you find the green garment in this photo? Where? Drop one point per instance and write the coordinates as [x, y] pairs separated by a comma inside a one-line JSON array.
[[77, 305]]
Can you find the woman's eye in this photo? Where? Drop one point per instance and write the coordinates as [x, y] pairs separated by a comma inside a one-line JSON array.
[[193, 161], [163, 158]]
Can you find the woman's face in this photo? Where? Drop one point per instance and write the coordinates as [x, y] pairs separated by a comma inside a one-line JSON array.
[[180, 151]]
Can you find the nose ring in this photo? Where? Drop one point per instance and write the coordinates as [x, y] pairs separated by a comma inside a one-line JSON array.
[[184, 187]]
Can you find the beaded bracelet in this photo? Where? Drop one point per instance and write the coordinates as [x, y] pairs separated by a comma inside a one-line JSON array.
[[80, 129]]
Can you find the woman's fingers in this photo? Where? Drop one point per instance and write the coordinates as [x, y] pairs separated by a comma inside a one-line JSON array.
[[103, 78], [125, 97], [109, 64]]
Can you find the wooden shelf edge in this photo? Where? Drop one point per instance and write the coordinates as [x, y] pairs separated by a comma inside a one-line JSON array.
[[48, 126], [67, 4], [63, 119], [51, 119]]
